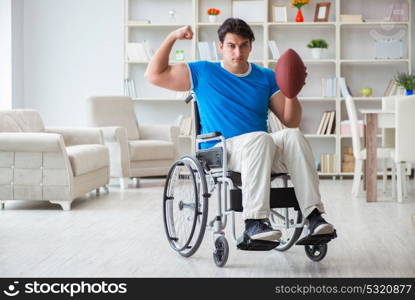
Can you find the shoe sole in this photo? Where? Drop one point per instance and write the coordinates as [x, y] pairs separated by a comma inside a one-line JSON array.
[[323, 229], [270, 236]]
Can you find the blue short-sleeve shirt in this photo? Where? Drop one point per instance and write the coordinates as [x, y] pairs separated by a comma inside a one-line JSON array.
[[229, 103]]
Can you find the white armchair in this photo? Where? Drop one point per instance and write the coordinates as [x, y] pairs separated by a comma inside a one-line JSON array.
[[136, 150], [52, 164]]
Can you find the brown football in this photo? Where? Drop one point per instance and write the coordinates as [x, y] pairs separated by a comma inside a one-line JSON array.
[[290, 73]]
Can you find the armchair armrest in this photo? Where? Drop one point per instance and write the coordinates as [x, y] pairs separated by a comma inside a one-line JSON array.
[[116, 139], [78, 136], [31, 142]]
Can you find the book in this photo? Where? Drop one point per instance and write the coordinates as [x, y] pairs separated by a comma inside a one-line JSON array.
[[138, 52], [343, 87], [203, 50], [331, 125], [320, 126], [129, 88], [326, 123], [148, 50], [388, 88], [274, 49], [351, 18]]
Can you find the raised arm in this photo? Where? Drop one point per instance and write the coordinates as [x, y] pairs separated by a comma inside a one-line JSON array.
[[159, 72], [287, 110]]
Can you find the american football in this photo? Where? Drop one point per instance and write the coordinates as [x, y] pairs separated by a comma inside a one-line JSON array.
[[290, 73]]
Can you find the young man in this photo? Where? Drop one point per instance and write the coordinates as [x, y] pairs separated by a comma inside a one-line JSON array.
[[233, 98]]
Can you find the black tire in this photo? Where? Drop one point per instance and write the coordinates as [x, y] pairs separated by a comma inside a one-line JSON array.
[[316, 252], [186, 227], [221, 253], [290, 236]]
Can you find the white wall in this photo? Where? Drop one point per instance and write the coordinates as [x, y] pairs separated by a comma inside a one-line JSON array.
[[5, 55], [72, 49], [17, 54]]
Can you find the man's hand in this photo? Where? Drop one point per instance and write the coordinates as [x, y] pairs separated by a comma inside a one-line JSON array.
[[183, 33]]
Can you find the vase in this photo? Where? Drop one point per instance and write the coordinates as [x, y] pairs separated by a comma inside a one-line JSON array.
[[213, 18], [299, 17], [316, 53], [409, 92]]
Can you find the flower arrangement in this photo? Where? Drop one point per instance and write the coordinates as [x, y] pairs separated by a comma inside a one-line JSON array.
[[405, 80], [213, 12], [318, 43], [299, 3]]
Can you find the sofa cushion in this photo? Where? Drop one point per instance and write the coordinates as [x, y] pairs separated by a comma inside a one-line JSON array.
[[151, 150], [21, 120], [87, 158]]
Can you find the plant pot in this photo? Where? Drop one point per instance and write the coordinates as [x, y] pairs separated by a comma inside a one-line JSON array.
[[409, 92], [213, 18], [316, 53], [299, 17]]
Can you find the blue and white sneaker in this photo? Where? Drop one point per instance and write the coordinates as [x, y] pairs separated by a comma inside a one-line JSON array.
[[317, 225], [261, 230]]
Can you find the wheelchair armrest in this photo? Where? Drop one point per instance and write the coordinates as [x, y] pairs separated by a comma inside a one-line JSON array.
[[208, 135]]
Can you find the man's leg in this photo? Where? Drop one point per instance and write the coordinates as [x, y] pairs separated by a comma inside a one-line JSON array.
[[251, 154], [294, 155]]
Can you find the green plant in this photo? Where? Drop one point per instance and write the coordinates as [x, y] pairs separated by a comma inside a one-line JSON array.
[[405, 80], [318, 44]]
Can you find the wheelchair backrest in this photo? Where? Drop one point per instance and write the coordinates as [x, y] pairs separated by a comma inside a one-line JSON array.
[[196, 116]]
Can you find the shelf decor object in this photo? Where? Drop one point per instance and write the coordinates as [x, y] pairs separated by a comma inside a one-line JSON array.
[[407, 81], [322, 12], [279, 13], [298, 4], [213, 15], [317, 47]]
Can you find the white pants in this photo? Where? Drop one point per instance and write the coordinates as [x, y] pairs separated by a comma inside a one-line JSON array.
[[258, 154]]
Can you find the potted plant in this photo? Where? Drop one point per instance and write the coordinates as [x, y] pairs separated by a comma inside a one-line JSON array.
[[213, 14], [407, 81], [298, 4], [317, 47]]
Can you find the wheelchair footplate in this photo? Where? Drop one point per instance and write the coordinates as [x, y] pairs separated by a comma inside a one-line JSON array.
[[319, 239], [245, 243]]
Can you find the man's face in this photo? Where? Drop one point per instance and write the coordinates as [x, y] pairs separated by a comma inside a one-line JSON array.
[[235, 50]]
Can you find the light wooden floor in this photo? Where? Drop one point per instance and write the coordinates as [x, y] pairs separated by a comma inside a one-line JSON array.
[[122, 235]]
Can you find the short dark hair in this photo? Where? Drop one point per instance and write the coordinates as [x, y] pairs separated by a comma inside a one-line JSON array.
[[236, 26]]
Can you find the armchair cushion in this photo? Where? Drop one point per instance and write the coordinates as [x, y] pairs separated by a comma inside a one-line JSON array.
[[151, 150], [87, 158], [113, 111]]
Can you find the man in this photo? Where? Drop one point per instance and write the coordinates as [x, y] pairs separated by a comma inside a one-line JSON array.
[[233, 98]]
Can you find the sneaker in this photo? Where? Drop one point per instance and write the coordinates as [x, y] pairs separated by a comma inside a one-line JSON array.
[[317, 225], [261, 230]]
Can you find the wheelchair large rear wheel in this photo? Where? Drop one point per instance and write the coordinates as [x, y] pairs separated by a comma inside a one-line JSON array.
[[185, 205], [285, 219]]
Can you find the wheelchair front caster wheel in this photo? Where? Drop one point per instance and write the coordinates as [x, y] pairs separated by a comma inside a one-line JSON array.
[[316, 252], [221, 253]]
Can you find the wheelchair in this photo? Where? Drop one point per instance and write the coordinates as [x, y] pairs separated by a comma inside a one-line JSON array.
[[188, 187]]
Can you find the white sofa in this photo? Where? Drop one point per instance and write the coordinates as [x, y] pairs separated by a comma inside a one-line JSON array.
[[136, 150], [52, 164]]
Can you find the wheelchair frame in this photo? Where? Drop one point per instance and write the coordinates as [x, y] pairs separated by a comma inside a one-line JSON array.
[[229, 200]]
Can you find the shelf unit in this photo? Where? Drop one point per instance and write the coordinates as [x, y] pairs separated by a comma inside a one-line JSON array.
[[350, 55]]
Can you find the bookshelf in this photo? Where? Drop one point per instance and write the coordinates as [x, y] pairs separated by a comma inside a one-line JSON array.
[[350, 55]]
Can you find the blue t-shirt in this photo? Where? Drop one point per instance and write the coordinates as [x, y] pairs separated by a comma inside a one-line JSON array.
[[229, 103]]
